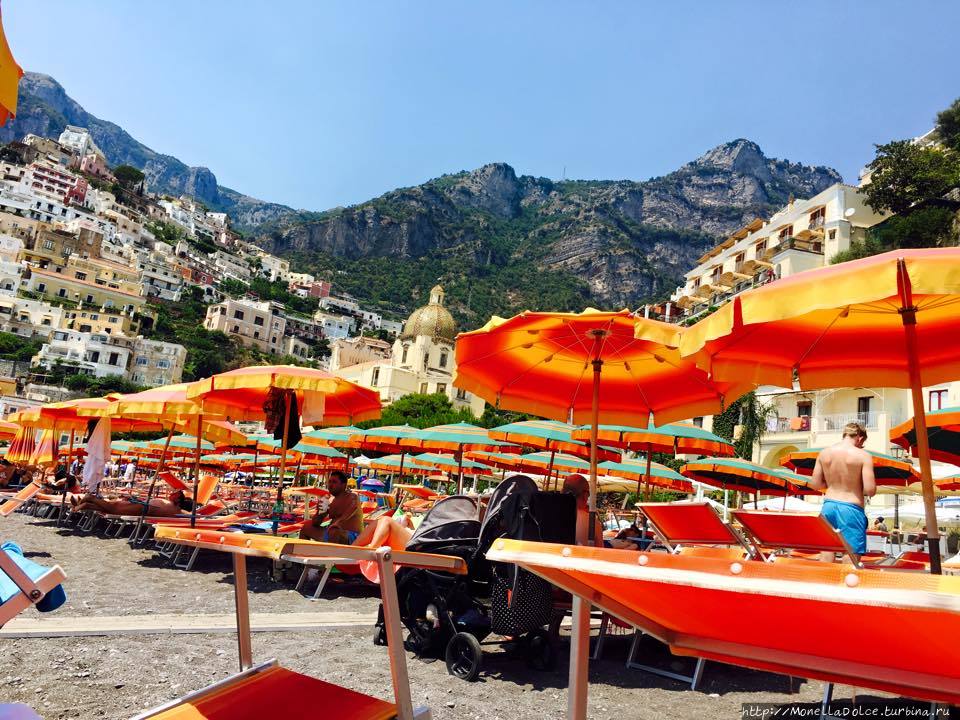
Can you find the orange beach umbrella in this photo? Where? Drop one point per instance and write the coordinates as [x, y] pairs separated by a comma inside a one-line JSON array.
[[890, 320], [10, 74]]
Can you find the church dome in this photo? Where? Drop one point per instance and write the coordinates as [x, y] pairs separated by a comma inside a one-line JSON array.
[[432, 320]]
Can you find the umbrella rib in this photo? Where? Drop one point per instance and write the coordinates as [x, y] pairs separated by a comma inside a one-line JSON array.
[[820, 337]]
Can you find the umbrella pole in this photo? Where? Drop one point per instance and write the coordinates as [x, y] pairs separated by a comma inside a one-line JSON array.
[[253, 480], [196, 472], [908, 315], [278, 506], [896, 514], [594, 423], [646, 476], [549, 471], [153, 484], [460, 472], [63, 501]]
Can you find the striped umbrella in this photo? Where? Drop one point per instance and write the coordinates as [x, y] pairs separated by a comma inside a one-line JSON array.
[[333, 437], [457, 438], [449, 463], [736, 474], [887, 469], [655, 474], [943, 433]]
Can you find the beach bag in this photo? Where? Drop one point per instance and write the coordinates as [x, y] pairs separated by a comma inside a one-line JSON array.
[[521, 601]]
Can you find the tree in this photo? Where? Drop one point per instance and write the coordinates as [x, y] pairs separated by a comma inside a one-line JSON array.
[[166, 232], [128, 176], [948, 126], [905, 173], [751, 415], [494, 417], [422, 411]]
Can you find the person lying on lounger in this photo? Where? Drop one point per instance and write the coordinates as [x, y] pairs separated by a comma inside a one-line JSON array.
[[344, 513], [175, 504], [387, 531]]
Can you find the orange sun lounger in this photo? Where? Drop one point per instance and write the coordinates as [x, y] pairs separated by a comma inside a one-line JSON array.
[[816, 620], [25, 494], [269, 690]]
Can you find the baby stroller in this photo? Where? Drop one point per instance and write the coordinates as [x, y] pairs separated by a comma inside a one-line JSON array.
[[450, 616]]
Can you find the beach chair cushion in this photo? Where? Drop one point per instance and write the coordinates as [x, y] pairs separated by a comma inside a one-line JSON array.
[[51, 601], [279, 693], [695, 523], [208, 484]]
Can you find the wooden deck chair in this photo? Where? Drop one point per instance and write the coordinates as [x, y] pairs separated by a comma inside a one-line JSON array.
[[24, 583], [24, 495], [696, 524], [269, 690], [803, 532]]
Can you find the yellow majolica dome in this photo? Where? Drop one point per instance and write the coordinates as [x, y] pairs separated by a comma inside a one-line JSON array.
[[432, 320]]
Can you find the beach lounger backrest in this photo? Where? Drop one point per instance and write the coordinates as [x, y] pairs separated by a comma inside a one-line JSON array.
[[172, 480], [211, 508], [19, 499], [689, 523], [792, 531], [208, 483], [24, 583]]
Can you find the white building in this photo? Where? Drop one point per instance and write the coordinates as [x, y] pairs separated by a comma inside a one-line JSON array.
[[11, 275], [78, 140], [275, 268], [256, 324], [334, 327], [230, 266], [94, 354], [160, 277], [29, 318]]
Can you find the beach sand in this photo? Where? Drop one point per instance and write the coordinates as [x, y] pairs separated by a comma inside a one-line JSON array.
[[119, 675]]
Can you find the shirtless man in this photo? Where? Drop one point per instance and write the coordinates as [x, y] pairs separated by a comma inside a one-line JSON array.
[[176, 503], [844, 472], [344, 513]]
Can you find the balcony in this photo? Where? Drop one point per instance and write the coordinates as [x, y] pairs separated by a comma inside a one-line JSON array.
[[798, 243]]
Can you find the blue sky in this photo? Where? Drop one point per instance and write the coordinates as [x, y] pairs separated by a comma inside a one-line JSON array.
[[317, 104]]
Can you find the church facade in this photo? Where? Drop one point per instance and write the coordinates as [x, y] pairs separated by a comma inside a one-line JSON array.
[[422, 360]]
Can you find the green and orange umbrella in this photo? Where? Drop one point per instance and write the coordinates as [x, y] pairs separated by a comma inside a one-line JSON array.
[[887, 470], [943, 433], [736, 474]]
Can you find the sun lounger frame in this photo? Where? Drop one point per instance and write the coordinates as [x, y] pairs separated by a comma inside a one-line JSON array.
[[31, 591], [799, 542], [241, 546]]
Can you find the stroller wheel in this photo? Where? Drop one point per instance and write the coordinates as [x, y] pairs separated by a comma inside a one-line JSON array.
[[541, 654], [379, 635], [463, 656]]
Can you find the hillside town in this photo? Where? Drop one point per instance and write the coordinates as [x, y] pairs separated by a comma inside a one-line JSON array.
[[91, 260]]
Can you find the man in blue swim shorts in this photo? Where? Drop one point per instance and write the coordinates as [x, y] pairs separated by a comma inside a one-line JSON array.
[[345, 515], [844, 472]]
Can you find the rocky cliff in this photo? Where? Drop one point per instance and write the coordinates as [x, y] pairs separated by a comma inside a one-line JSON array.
[[612, 243], [45, 109]]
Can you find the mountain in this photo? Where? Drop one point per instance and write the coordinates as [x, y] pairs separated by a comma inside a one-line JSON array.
[[44, 108], [501, 242]]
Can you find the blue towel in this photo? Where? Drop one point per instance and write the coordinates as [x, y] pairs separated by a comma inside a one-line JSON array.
[[51, 601]]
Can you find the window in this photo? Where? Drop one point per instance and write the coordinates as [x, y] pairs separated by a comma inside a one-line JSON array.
[[48, 244], [443, 359], [375, 378], [937, 401], [256, 334], [236, 328], [80, 275], [403, 358], [461, 394], [863, 410], [163, 364], [89, 298], [761, 246], [442, 388], [62, 292], [238, 314], [142, 361], [41, 287], [423, 388], [786, 232], [114, 358], [804, 408], [832, 235], [698, 422], [258, 321], [113, 321], [95, 356], [817, 217]]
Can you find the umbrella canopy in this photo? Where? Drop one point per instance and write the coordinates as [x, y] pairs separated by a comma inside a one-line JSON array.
[[558, 461], [372, 482], [540, 363], [549, 435], [659, 475], [185, 442], [674, 439], [503, 461], [394, 463], [449, 463], [322, 398], [457, 438], [8, 430], [332, 437], [736, 474], [887, 469], [10, 74], [943, 433], [386, 438], [948, 484], [889, 320], [165, 401]]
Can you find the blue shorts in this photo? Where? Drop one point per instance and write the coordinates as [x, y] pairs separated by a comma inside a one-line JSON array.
[[850, 520], [351, 536]]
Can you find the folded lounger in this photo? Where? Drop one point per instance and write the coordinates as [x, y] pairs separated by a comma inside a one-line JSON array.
[[269, 690], [809, 619], [24, 495], [24, 583]]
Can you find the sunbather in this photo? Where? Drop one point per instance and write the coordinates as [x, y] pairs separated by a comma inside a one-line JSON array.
[[344, 513], [394, 533], [845, 474], [176, 503]]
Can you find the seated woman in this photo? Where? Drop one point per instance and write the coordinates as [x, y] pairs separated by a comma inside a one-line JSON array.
[[175, 504]]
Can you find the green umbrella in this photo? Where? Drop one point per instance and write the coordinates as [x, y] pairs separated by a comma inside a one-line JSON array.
[[653, 472], [447, 462], [332, 436], [887, 469], [736, 474], [457, 438]]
